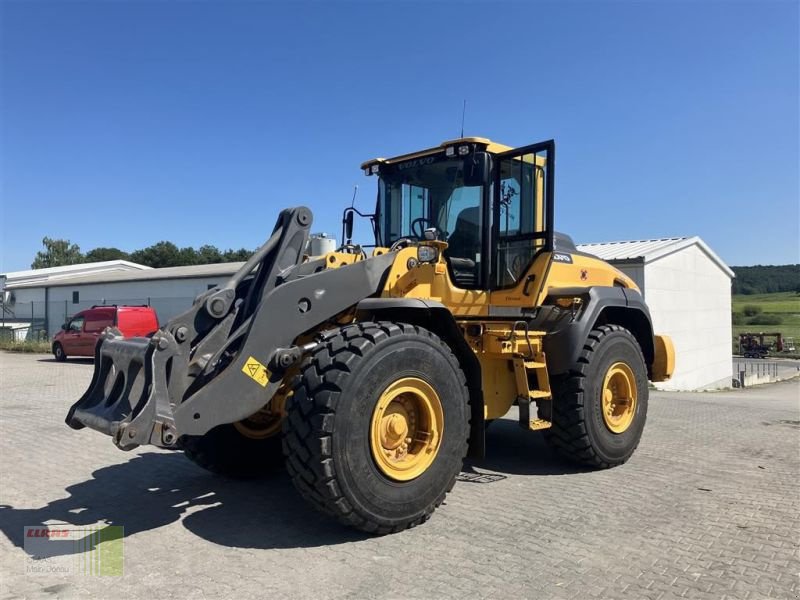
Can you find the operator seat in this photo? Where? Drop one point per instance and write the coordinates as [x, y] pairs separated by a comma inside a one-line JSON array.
[[464, 244]]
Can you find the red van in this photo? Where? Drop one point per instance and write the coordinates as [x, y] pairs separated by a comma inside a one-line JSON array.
[[78, 336]]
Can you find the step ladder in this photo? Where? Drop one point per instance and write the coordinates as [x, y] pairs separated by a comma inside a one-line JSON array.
[[527, 371]]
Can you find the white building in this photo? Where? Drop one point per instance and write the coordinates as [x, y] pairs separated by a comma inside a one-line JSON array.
[[46, 302], [688, 290]]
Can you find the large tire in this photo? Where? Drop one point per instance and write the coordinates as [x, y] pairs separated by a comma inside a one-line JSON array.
[[580, 431], [328, 432], [225, 451], [58, 352]]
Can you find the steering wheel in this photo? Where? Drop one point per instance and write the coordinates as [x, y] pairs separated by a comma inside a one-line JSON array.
[[421, 221], [517, 266], [403, 242]]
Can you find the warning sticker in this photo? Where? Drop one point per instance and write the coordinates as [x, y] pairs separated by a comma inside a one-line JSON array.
[[256, 371]]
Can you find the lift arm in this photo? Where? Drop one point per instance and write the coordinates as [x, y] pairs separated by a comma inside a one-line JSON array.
[[223, 359]]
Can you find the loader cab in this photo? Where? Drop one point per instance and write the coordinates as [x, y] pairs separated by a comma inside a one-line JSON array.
[[492, 204]]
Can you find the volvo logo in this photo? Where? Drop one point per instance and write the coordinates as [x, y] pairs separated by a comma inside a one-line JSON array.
[[417, 162]]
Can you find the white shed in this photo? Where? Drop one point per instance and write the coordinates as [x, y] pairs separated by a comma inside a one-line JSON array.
[[688, 290]]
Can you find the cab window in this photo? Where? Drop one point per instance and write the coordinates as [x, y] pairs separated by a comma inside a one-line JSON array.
[[431, 193], [519, 219]]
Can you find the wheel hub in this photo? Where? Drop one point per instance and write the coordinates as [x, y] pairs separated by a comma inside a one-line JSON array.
[[619, 396], [406, 428], [394, 430]]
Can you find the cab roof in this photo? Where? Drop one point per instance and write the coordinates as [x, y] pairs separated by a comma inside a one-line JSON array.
[[485, 144]]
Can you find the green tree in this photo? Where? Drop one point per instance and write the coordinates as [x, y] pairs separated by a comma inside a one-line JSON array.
[[188, 256], [161, 254], [766, 279], [208, 254], [57, 253], [241, 254], [101, 254]]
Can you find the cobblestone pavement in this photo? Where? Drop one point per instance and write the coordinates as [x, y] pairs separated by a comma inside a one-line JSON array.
[[708, 507]]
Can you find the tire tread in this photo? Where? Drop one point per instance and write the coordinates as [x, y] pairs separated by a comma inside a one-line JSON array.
[[568, 434], [309, 427]]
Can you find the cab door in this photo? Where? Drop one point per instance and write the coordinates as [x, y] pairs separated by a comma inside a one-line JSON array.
[[522, 223], [72, 336]]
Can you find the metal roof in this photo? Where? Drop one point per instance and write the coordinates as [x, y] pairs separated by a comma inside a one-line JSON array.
[[49, 274], [646, 251], [148, 274]]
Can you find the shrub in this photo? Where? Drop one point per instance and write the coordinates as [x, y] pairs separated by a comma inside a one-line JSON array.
[[751, 310], [738, 319], [765, 320], [26, 346]]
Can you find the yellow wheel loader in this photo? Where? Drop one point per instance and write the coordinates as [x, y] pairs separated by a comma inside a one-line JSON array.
[[373, 371]]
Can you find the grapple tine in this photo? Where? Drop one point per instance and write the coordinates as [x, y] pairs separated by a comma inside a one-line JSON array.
[[120, 400]]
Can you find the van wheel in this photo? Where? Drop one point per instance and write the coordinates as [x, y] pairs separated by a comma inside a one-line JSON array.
[[58, 352]]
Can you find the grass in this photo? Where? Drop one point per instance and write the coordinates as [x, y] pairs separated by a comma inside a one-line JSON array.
[[32, 347], [785, 305]]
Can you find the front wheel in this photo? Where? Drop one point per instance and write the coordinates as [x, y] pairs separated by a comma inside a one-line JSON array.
[[600, 406], [58, 352], [248, 448], [377, 428]]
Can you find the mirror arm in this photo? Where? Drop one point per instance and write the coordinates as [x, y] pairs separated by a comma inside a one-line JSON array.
[[347, 213]]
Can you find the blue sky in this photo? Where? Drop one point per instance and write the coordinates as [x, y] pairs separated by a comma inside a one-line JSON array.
[[126, 123]]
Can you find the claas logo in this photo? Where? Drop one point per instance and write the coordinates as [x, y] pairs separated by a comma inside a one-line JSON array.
[[48, 533]]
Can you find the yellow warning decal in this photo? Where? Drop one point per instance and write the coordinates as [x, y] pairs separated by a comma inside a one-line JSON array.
[[256, 371]]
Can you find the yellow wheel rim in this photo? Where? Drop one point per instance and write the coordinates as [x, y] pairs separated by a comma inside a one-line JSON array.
[[406, 429], [266, 422], [619, 397]]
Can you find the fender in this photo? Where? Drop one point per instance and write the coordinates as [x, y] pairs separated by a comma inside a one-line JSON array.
[[435, 317], [600, 305]]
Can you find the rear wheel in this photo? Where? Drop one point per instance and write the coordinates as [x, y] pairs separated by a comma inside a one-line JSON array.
[[600, 406], [248, 448], [377, 428], [58, 352]]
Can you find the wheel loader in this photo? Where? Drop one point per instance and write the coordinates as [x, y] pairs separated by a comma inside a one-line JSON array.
[[372, 372]]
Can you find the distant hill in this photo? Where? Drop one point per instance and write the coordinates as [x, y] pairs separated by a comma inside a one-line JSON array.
[[766, 279]]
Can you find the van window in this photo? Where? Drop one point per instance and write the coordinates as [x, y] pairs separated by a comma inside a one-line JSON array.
[[98, 322], [76, 324]]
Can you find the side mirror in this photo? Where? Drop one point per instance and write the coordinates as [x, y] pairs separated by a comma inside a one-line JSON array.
[[477, 168], [348, 227], [64, 326]]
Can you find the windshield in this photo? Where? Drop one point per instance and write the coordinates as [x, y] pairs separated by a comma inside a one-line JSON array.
[[424, 193]]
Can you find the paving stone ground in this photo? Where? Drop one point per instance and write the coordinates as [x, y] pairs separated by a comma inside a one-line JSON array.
[[708, 507]]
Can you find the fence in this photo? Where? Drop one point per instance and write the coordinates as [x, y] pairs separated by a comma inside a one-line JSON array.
[[41, 320], [763, 369], [754, 373]]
